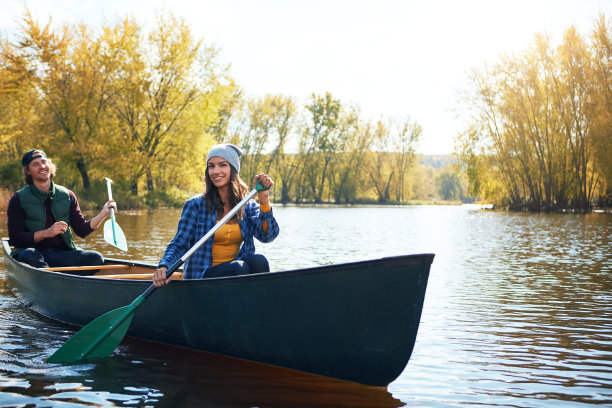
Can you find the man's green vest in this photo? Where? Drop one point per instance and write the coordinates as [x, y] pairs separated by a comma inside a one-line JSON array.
[[32, 202]]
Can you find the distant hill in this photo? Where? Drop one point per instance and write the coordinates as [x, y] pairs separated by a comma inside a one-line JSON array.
[[437, 161]]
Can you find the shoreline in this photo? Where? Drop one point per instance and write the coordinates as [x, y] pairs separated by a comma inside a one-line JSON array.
[[5, 195]]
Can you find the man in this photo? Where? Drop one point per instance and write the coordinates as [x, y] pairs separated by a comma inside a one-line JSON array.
[[43, 215]]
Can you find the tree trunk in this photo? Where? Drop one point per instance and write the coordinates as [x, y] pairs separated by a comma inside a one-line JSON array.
[[83, 170], [150, 187]]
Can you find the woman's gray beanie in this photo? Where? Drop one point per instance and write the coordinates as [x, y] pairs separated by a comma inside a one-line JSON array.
[[227, 151]]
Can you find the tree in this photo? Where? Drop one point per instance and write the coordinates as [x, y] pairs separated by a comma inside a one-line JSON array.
[[18, 114], [404, 143], [448, 186], [533, 125], [346, 173], [601, 127], [171, 89], [285, 115], [317, 145], [380, 165], [70, 70]]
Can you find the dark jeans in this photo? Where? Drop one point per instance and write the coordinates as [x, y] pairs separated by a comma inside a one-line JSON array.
[[55, 257], [255, 263]]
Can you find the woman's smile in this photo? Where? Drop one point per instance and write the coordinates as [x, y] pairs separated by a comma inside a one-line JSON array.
[[219, 171]]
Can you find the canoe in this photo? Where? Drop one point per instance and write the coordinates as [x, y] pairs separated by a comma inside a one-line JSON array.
[[353, 321]]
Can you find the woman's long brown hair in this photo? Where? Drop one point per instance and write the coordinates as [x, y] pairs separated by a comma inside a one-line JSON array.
[[237, 191]]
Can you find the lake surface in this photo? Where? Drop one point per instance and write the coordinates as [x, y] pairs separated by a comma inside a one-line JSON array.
[[518, 313]]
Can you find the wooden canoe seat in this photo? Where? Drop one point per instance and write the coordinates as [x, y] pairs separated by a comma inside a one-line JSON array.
[[86, 268], [141, 276], [102, 271]]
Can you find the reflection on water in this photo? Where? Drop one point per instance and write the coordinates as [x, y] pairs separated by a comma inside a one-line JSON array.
[[517, 314]]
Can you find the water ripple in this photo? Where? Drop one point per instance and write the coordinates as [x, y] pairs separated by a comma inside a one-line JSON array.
[[517, 314]]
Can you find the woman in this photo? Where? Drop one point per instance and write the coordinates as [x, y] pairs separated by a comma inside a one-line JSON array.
[[232, 252]]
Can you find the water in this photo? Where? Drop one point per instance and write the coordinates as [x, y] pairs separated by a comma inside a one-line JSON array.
[[517, 314]]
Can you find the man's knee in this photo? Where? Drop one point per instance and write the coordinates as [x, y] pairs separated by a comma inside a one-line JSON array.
[[87, 258], [32, 257], [91, 258]]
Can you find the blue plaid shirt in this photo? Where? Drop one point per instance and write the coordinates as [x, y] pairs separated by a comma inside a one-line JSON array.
[[196, 221]]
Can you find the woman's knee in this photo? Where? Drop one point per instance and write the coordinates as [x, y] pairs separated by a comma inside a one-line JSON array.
[[232, 268], [258, 263]]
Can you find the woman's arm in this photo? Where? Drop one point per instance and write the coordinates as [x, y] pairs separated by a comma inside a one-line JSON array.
[[180, 244]]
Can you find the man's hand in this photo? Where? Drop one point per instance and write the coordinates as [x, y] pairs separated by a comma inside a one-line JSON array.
[[58, 228]]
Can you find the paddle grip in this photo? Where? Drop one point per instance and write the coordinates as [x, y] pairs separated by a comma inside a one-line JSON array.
[[260, 187]]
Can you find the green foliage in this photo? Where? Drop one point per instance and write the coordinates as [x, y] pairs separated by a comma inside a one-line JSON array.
[[448, 186], [11, 176]]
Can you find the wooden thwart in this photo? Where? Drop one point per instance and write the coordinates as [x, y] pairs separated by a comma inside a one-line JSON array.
[[176, 275], [86, 268]]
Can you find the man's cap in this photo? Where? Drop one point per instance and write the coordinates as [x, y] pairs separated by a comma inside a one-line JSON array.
[[32, 155]]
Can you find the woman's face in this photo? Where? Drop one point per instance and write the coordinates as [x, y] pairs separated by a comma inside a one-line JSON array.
[[219, 171]]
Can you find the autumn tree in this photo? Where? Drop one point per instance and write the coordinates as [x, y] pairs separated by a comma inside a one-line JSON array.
[[346, 175], [281, 161], [380, 166], [404, 142], [19, 114], [533, 124], [228, 126], [70, 70], [317, 145], [601, 128], [172, 88]]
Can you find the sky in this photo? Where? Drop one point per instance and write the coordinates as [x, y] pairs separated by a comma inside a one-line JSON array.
[[391, 58]]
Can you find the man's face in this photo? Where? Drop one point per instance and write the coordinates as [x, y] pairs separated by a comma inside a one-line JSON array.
[[39, 169]]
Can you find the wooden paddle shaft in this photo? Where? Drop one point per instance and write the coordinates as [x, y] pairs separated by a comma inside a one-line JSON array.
[[85, 268]]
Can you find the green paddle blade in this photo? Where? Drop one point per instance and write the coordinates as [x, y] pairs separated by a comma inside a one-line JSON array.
[[99, 338], [113, 234]]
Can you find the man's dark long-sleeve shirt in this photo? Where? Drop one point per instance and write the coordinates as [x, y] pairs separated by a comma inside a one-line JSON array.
[[19, 237]]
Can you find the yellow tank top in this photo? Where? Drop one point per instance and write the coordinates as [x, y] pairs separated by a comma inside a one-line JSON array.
[[226, 244], [229, 238]]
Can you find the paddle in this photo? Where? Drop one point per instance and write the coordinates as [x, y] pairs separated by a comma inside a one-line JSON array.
[[113, 234], [100, 337]]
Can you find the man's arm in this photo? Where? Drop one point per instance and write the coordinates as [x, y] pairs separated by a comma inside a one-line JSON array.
[[78, 223], [16, 224]]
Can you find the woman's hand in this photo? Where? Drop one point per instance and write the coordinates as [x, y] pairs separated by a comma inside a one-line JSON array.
[[159, 277], [266, 181]]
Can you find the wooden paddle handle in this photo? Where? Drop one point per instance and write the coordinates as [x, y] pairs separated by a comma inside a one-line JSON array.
[[85, 268]]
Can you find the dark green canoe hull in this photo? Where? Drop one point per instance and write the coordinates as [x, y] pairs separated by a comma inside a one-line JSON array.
[[356, 321]]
